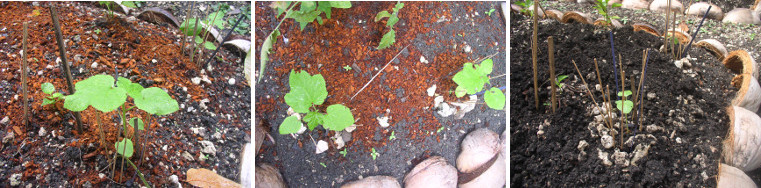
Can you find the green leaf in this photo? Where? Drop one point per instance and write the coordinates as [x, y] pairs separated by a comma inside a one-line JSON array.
[[626, 107], [485, 67], [280, 6], [140, 125], [624, 93], [188, 26], [209, 45], [47, 88], [325, 6], [341, 4], [388, 39], [156, 101], [198, 39], [616, 5], [130, 4], [216, 21], [97, 91], [56, 95], [381, 15], [305, 91], [397, 7], [291, 124], [46, 101], [307, 6], [490, 11], [470, 79], [305, 17], [495, 99], [338, 118], [264, 53], [392, 21], [460, 91], [561, 78], [314, 118], [133, 89], [124, 147]]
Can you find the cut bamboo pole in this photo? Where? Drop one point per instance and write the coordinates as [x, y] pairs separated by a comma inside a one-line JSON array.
[[623, 98], [604, 99], [184, 34], [23, 77], [551, 49], [610, 108], [639, 89], [193, 43], [534, 52], [64, 63], [665, 33]]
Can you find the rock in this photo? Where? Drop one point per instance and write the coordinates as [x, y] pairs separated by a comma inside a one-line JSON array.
[[741, 15], [423, 60], [383, 121], [8, 137], [15, 179], [640, 152], [607, 141], [634, 4], [582, 145], [42, 132], [431, 90], [200, 131], [94, 65], [432, 172], [662, 5], [231, 81], [437, 101], [196, 80], [373, 182], [5, 120], [604, 157], [650, 96], [467, 49], [699, 9], [322, 146], [653, 128], [217, 135], [478, 149], [208, 147], [268, 176], [187, 156], [620, 158], [176, 180], [445, 110]]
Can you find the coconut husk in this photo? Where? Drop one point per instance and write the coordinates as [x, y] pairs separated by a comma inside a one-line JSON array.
[[555, 14], [374, 182], [714, 47], [730, 176], [740, 62], [603, 23], [749, 95], [646, 28], [681, 36], [575, 16], [432, 172], [741, 147]]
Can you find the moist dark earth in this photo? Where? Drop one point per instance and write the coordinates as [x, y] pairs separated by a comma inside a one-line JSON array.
[[688, 105]]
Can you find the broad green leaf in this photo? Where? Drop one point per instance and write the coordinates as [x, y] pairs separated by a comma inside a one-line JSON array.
[[392, 21], [616, 5], [47, 88], [198, 40], [470, 79], [209, 46], [217, 22], [307, 6], [305, 91], [495, 99], [388, 39], [188, 26], [304, 17], [130, 4], [325, 6], [291, 124], [319, 20], [485, 67], [124, 147], [626, 107], [97, 91], [280, 6], [460, 91], [56, 95], [397, 7], [314, 118], [341, 4], [381, 15], [156, 101], [46, 101], [133, 89], [338, 117], [624, 93], [139, 123], [561, 78]]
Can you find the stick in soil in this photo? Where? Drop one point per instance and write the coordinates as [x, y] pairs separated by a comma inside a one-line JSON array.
[[634, 99], [225, 39], [380, 71], [604, 99], [551, 49], [65, 64], [610, 107], [641, 95], [184, 34], [206, 34], [589, 93], [665, 34], [23, 77], [623, 98], [534, 52], [193, 43]]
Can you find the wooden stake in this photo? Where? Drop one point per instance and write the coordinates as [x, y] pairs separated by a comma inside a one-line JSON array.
[[23, 77], [184, 34], [534, 52], [610, 107], [604, 99], [65, 64], [193, 43], [665, 34], [551, 49], [623, 98]]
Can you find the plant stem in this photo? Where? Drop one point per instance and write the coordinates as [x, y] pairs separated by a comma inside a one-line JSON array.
[[622, 103], [695, 34], [613, 54], [66, 70], [551, 49], [139, 174], [380, 71], [534, 51], [610, 108], [136, 135], [23, 77]]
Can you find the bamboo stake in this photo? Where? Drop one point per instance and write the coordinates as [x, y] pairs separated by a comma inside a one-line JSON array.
[[551, 49], [23, 77], [184, 34], [208, 27], [623, 98], [634, 99], [604, 99], [673, 27], [665, 34], [534, 52], [193, 43], [639, 89], [610, 108], [65, 64]]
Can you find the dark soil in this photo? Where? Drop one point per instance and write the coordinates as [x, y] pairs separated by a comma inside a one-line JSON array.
[[349, 38], [689, 105], [62, 157]]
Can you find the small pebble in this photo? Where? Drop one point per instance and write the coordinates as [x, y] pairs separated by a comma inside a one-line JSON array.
[[231, 81]]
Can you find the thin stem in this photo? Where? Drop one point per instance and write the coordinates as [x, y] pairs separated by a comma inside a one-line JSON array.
[[195, 29], [622, 103], [380, 71], [610, 107], [534, 52], [139, 174], [551, 49], [604, 99], [184, 34], [641, 90], [613, 54], [23, 77]]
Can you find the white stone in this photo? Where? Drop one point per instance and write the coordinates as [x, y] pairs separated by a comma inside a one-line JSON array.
[[165, 147], [607, 141], [196, 80], [383, 121], [8, 137], [322, 146], [437, 101], [351, 128], [467, 49], [338, 139], [431, 90], [5, 120], [153, 61], [582, 145], [604, 157], [208, 147], [231, 81], [15, 179], [423, 60], [94, 65], [42, 131], [446, 111], [176, 180], [620, 158], [187, 156]]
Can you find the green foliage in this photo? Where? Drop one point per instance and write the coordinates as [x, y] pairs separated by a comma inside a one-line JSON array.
[[306, 92], [494, 98], [602, 8], [130, 4], [392, 137], [206, 44], [343, 152], [560, 79], [471, 80], [347, 68], [374, 154], [323, 165], [140, 125], [390, 37], [624, 105], [97, 31], [310, 10], [525, 6], [243, 27], [99, 92], [52, 96], [489, 12], [124, 147]]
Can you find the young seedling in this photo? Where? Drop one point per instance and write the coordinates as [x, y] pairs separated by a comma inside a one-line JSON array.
[[624, 105], [306, 92], [440, 129], [374, 154], [347, 68], [323, 165], [559, 80], [52, 96], [392, 137], [390, 37], [489, 12], [602, 8], [472, 78], [525, 5], [343, 152]]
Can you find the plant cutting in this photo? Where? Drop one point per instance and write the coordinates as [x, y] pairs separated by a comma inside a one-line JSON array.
[[51, 97], [390, 37], [472, 78], [624, 105], [308, 91]]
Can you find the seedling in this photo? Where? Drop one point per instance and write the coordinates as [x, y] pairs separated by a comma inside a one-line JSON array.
[[343, 152], [347, 68], [390, 37], [306, 92], [206, 44], [560, 79], [97, 31], [51, 97], [440, 129], [392, 137], [624, 105], [753, 35], [525, 4], [489, 12], [602, 8], [323, 165], [472, 78], [374, 154]]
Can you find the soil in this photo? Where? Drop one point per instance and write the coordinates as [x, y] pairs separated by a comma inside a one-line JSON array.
[[349, 38], [145, 53], [688, 105]]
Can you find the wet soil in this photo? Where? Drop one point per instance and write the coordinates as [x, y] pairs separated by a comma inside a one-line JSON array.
[[145, 53], [688, 105], [437, 31]]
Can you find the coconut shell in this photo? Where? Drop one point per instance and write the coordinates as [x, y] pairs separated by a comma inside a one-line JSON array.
[[699, 9], [749, 95], [601, 22], [730, 176], [742, 15], [158, 16], [575, 16], [480, 162], [714, 47], [681, 36], [635, 4], [432, 172], [554, 14], [740, 62], [374, 182], [646, 28], [267, 176], [741, 147], [662, 5], [515, 8]]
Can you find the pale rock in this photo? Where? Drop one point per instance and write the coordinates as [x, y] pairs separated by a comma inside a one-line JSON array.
[[383, 121], [620, 158], [187, 156], [607, 141], [322, 146], [467, 49], [5, 120], [431, 90], [208, 147], [42, 131], [8, 137], [94, 65], [423, 60], [582, 145], [604, 157], [231, 81], [175, 180], [640, 152], [437, 101], [196, 80], [15, 179], [653, 128], [678, 140], [446, 111], [650, 96]]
